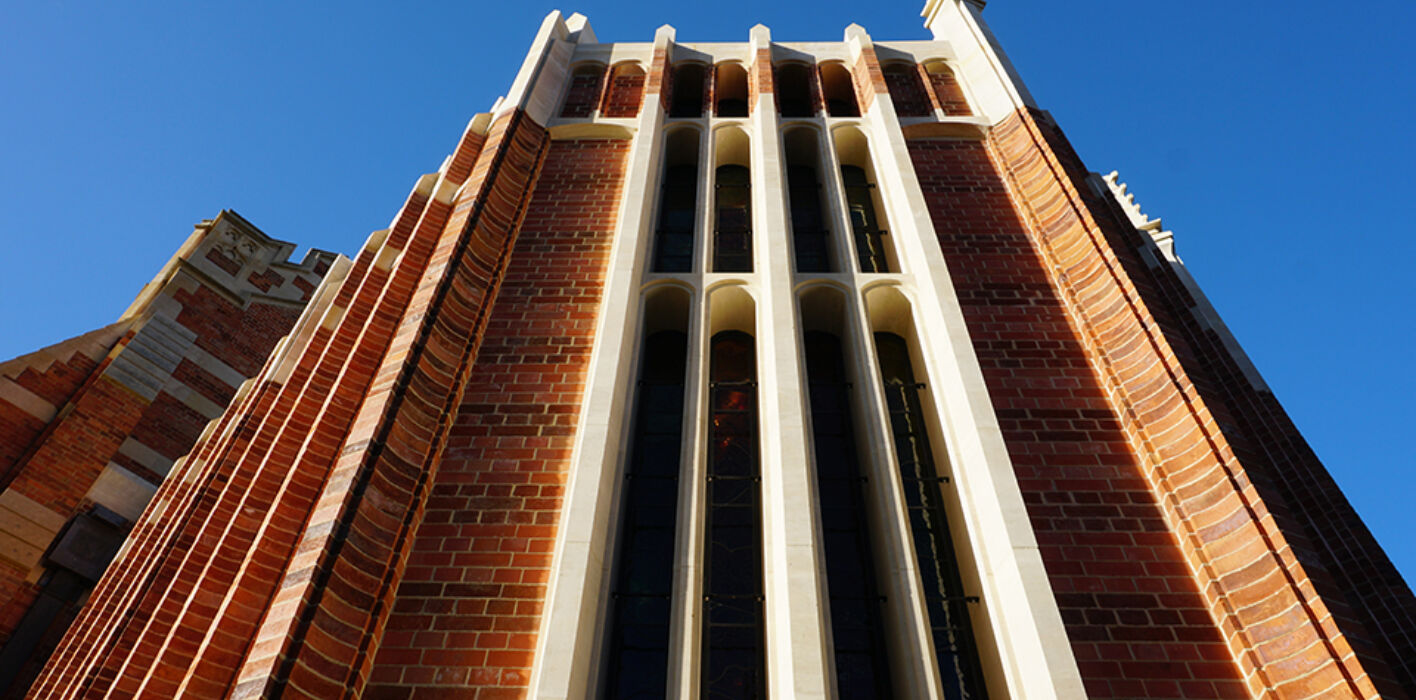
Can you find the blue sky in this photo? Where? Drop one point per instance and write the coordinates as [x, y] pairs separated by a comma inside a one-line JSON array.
[[1273, 138]]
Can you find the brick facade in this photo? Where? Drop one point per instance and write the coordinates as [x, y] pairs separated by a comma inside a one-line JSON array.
[[469, 604], [379, 511], [1138, 624]]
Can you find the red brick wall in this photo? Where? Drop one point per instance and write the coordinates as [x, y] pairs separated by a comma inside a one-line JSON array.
[[947, 93], [584, 93], [1278, 629], [1368, 597], [470, 600], [906, 90], [868, 79], [55, 384], [1139, 627], [624, 93]]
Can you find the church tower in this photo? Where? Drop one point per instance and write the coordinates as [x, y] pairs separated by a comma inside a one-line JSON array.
[[753, 369]]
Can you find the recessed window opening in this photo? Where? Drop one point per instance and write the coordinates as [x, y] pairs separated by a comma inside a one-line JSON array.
[[855, 604], [626, 91], [687, 100], [906, 90], [810, 238], [875, 249], [839, 91], [678, 203], [730, 90], [734, 663], [794, 90], [584, 91], [947, 89], [732, 208], [641, 599], [946, 603]]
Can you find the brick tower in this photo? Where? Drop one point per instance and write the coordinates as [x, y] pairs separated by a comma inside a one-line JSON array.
[[754, 369]]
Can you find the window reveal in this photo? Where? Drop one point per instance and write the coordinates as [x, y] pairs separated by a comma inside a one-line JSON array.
[[944, 599]]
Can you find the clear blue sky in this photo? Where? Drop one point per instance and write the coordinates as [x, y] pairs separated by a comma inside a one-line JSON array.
[[1273, 138]]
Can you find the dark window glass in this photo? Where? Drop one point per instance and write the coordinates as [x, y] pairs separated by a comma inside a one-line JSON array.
[[860, 204], [673, 246], [732, 231], [734, 644], [639, 617], [809, 237], [944, 597], [862, 669], [687, 91], [794, 91]]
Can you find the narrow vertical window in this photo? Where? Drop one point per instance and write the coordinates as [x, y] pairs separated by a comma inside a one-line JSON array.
[[687, 91], [734, 644], [862, 669], [810, 239], [839, 91], [956, 652], [730, 90], [732, 240], [678, 203], [794, 90], [860, 206], [639, 618]]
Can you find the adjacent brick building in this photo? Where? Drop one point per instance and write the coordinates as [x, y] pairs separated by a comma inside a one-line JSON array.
[[90, 427], [754, 369]]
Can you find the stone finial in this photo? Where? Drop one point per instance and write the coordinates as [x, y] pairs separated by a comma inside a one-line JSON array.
[[580, 31], [760, 36], [665, 34], [857, 33]]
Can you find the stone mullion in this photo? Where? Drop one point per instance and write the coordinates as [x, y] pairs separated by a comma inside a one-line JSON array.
[[795, 601], [1026, 625]]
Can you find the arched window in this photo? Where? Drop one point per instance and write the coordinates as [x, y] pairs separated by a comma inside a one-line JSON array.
[[947, 90], [626, 91], [794, 90], [874, 249], [642, 595], [945, 602], [734, 645], [862, 667], [678, 203], [730, 90], [732, 204], [687, 91], [839, 91], [810, 238], [584, 91], [906, 90]]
